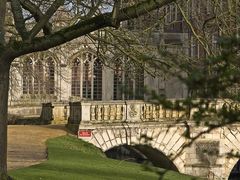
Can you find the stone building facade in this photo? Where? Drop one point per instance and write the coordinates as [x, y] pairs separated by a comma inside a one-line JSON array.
[[74, 72]]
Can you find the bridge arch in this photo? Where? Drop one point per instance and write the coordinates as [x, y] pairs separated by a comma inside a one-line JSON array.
[[231, 144], [235, 170], [141, 154], [163, 140]]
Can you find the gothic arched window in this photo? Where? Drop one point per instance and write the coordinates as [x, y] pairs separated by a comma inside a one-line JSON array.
[[28, 77], [87, 80], [76, 75], [38, 76], [87, 77], [49, 78], [117, 82], [97, 80], [139, 83], [128, 82]]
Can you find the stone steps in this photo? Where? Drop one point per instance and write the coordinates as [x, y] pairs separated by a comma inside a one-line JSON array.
[[26, 143]]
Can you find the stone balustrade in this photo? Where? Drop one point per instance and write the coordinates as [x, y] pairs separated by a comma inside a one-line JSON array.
[[109, 111], [129, 111], [119, 111]]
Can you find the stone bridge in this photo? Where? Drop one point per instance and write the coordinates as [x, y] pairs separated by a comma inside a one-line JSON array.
[[108, 125]]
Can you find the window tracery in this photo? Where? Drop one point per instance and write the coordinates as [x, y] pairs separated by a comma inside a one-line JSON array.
[[76, 70], [50, 76], [27, 77], [87, 77], [128, 81], [38, 76]]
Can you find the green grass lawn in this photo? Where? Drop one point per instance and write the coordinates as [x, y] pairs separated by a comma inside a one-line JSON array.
[[73, 159]]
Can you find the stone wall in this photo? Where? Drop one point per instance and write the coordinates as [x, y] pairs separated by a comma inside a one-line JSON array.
[[54, 113], [25, 111]]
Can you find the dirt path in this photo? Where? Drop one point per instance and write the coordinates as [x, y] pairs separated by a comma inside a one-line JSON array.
[[26, 143]]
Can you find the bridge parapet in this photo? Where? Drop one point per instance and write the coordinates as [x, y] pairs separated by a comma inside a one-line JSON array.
[[132, 111], [120, 111], [108, 112], [115, 123]]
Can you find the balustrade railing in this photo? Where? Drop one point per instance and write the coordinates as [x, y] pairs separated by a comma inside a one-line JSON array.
[[120, 111], [128, 111]]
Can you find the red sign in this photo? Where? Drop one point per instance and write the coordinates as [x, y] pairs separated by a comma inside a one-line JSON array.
[[85, 133]]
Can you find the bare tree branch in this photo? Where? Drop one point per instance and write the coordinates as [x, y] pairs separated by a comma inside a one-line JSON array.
[[198, 36], [115, 13], [18, 19], [141, 8], [93, 9], [37, 28], [85, 27], [64, 35], [37, 14]]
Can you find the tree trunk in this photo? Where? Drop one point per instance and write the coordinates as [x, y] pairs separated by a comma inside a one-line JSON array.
[[4, 87]]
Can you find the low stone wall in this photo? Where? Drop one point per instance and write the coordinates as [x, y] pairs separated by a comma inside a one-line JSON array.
[[54, 113], [25, 111]]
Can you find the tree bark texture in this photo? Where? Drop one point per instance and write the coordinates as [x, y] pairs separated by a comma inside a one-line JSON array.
[[4, 87], [2, 20]]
